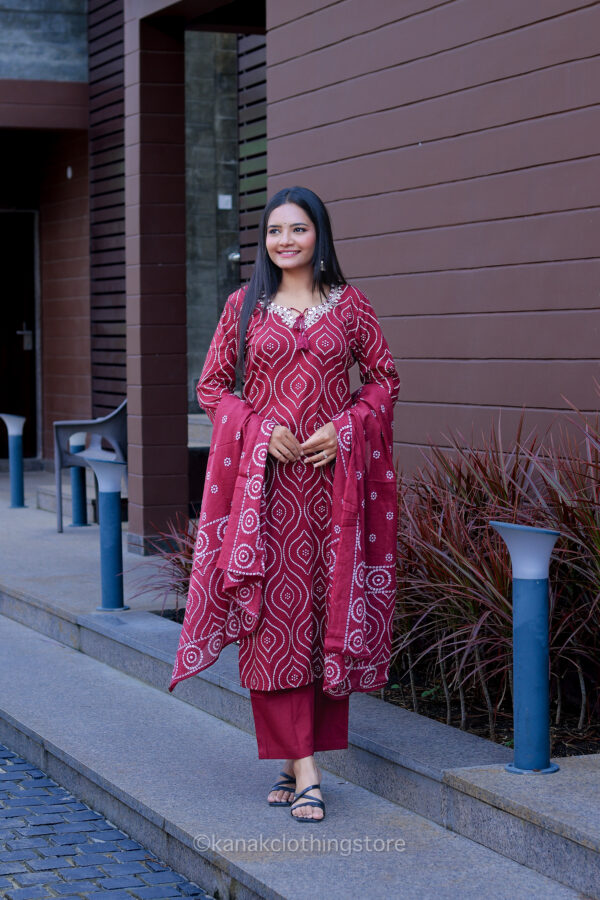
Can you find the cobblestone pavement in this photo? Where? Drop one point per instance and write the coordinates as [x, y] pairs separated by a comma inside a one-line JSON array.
[[51, 845]]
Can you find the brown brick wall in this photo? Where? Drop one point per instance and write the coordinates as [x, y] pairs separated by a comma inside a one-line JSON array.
[[64, 276]]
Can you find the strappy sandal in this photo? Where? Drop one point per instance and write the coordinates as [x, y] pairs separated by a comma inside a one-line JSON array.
[[287, 784], [310, 801]]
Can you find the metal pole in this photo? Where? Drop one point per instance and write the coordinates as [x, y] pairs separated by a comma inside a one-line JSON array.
[[530, 549], [15, 424], [109, 474], [111, 551], [78, 490]]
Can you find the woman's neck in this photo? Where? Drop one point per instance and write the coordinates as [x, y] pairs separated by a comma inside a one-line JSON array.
[[297, 282], [297, 291]]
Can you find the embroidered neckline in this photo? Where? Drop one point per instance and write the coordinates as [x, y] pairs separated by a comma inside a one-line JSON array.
[[313, 313]]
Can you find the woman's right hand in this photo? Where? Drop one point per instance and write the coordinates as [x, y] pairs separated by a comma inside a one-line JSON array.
[[284, 444]]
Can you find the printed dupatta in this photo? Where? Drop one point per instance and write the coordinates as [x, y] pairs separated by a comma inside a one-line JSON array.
[[225, 593], [362, 590]]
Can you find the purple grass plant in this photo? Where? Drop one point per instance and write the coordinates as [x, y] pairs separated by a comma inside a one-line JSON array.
[[453, 616]]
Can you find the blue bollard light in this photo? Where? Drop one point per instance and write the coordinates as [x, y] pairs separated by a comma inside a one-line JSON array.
[[109, 474], [14, 425], [530, 550], [78, 490]]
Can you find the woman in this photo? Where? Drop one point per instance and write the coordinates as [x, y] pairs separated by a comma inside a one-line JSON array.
[[295, 553]]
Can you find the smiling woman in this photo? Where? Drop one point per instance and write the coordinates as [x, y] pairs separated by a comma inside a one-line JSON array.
[[295, 557]]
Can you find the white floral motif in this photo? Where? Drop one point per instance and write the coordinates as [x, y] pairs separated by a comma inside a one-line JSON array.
[[238, 435], [213, 488], [389, 474], [227, 461], [312, 314], [388, 557], [224, 419], [389, 515], [373, 495], [376, 454], [372, 538]]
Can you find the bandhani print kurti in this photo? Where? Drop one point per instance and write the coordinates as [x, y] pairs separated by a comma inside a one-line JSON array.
[[297, 375]]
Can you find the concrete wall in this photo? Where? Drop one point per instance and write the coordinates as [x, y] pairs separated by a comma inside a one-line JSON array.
[[211, 169], [43, 40]]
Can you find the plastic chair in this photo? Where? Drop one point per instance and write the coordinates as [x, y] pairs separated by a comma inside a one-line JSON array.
[[112, 428]]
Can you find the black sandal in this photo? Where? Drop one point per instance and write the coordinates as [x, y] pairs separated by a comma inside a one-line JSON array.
[[311, 801], [282, 786]]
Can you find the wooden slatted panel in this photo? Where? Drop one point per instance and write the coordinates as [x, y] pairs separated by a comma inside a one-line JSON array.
[[252, 129], [107, 205], [457, 145]]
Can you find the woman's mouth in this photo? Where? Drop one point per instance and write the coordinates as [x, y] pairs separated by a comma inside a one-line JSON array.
[[288, 252]]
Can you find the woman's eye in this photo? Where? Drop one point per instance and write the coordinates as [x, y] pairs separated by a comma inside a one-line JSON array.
[[302, 230]]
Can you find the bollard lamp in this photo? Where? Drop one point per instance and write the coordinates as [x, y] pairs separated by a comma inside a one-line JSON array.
[[109, 473], [14, 425], [530, 549]]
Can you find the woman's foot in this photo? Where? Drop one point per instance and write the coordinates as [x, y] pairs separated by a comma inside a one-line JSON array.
[[307, 772], [284, 796]]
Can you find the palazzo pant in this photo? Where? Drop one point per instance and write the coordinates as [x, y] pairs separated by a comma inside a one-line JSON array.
[[297, 722]]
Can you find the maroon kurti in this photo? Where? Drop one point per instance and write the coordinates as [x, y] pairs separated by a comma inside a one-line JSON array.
[[297, 375]]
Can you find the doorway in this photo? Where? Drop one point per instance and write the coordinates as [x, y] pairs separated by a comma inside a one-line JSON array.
[[18, 332]]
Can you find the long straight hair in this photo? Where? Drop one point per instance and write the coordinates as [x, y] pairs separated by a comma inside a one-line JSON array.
[[266, 276]]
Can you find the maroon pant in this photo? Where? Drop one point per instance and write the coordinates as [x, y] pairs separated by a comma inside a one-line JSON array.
[[297, 722]]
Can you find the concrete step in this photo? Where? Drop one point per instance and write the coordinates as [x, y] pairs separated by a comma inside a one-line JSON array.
[[46, 500], [452, 778], [45, 497], [199, 429], [154, 765]]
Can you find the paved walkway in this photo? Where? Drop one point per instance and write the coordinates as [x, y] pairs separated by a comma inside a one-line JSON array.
[[51, 845]]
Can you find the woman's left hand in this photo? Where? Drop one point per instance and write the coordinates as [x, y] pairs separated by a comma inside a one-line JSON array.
[[321, 447]]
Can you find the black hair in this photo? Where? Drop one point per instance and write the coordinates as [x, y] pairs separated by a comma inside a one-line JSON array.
[[266, 276]]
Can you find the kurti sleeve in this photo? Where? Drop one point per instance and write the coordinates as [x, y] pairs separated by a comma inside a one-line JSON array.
[[218, 372], [370, 348]]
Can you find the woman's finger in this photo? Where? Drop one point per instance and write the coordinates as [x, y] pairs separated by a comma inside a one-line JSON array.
[[322, 457], [291, 444]]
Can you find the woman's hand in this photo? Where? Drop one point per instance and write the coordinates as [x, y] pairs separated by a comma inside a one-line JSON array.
[[284, 444], [321, 447]]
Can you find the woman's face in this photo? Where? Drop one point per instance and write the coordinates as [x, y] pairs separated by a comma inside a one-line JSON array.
[[291, 237]]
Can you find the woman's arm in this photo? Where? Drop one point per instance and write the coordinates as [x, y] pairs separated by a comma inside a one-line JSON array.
[[371, 350], [218, 372]]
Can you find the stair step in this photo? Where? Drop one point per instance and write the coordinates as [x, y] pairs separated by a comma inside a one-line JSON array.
[[153, 764]]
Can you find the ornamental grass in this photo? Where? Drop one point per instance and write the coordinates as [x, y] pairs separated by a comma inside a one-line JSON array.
[[453, 617]]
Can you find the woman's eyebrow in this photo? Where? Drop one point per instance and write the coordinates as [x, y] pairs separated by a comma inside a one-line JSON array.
[[293, 225]]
